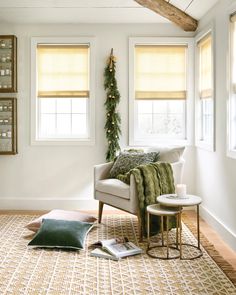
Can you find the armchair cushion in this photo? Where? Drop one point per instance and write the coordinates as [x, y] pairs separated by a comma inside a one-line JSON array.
[[127, 161], [114, 187]]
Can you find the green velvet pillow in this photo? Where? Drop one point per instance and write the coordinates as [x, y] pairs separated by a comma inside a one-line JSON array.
[[61, 234], [127, 161]]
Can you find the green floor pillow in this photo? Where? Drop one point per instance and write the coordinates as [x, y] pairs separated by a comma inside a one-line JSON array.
[[61, 234]]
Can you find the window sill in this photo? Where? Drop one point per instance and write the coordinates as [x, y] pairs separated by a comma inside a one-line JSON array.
[[61, 142]]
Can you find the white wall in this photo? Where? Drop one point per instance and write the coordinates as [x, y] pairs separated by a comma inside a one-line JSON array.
[[215, 172], [43, 177]]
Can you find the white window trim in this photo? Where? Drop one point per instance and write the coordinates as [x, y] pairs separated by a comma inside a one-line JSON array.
[[201, 143], [91, 115], [231, 152], [190, 89]]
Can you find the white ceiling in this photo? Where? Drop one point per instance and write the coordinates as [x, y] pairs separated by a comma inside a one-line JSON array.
[[91, 11]]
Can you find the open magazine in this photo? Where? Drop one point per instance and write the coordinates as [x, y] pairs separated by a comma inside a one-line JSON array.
[[115, 248]]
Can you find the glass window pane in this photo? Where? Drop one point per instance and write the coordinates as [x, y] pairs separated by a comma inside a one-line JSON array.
[[48, 105], [168, 124], [233, 122], [159, 124], [47, 125], [63, 105], [145, 124], [63, 124], [175, 124], [207, 119], [144, 106], [160, 106], [79, 124], [207, 126], [176, 106], [79, 105], [167, 119]]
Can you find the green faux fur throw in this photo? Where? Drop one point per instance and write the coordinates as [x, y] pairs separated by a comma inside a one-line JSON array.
[[152, 180]]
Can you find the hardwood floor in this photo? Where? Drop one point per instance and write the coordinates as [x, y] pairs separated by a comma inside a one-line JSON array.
[[224, 250]]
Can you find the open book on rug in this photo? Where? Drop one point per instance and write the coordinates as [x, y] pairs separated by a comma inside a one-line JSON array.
[[115, 248]]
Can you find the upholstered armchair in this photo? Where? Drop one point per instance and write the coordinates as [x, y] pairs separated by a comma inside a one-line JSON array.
[[120, 195]]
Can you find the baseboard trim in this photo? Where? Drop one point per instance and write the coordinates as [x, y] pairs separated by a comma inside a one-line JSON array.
[[226, 234], [47, 204]]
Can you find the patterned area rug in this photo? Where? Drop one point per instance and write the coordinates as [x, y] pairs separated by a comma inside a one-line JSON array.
[[25, 271]]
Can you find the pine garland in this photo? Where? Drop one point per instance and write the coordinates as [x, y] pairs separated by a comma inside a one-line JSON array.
[[112, 126]]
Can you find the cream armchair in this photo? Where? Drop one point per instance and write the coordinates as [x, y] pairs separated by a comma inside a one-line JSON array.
[[118, 194]]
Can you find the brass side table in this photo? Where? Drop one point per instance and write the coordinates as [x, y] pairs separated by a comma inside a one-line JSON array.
[[180, 202], [157, 210]]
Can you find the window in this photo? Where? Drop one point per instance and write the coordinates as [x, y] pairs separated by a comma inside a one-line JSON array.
[[158, 91], [232, 98], [62, 90], [204, 93]]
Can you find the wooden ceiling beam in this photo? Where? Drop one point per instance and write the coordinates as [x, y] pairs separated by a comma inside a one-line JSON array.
[[172, 13]]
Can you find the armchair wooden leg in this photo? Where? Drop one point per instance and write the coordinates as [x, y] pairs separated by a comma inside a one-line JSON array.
[[100, 208], [140, 231]]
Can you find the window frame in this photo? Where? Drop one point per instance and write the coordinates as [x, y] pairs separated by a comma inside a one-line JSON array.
[[189, 84], [198, 104], [231, 101], [35, 140]]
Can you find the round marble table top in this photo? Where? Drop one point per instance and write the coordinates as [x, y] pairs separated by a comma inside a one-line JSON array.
[[173, 200]]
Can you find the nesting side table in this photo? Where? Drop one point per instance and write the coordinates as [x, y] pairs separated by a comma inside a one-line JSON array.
[[157, 210], [190, 200]]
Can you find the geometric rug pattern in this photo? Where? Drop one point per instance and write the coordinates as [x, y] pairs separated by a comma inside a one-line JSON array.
[[26, 271]]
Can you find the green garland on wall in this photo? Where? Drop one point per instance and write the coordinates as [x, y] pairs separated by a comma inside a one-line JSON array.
[[112, 126]]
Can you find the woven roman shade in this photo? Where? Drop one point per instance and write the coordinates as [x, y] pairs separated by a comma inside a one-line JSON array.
[[233, 48], [160, 72], [63, 70], [205, 67]]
